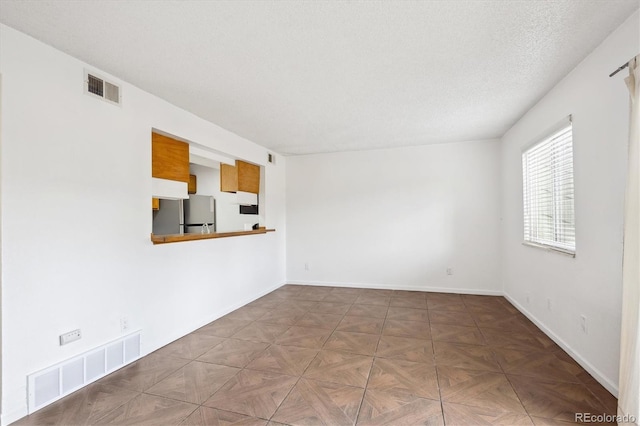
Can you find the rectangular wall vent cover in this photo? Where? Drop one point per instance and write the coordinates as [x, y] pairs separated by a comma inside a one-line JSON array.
[[51, 384], [98, 86], [111, 92]]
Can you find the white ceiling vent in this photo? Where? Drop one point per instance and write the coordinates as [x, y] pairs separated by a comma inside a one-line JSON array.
[[98, 86]]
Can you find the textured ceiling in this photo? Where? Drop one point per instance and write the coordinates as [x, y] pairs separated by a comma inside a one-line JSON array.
[[316, 76]]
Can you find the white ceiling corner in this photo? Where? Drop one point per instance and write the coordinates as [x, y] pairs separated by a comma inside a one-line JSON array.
[[303, 77]]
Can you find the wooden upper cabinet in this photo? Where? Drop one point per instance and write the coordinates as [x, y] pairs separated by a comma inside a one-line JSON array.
[[243, 177], [169, 158], [228, 178], [248, 177], [192, 188]]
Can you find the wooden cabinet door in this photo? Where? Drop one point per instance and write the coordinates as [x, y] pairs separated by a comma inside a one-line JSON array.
[[248, 177], [169, 158], [243, 177], [228, 178], [193, 184]]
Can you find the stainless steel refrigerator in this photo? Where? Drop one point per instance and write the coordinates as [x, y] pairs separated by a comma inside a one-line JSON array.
[[199, 214], [194, 215]]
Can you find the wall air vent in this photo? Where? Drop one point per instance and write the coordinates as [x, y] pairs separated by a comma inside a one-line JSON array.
[[111, 92], [52, 383], [98, 86], [95, 85]]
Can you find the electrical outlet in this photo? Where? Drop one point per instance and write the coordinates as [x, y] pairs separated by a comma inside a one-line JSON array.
[[124, 324], [69, 337], [449, 271], [549, 304], [583, 324], [306, 267]]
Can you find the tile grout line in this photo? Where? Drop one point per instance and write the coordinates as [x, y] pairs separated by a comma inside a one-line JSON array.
[[366, 386], [435, 366], [306, 368], [499, 364]]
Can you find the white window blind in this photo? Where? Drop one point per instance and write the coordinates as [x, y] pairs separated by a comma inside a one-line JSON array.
[[547, 172]]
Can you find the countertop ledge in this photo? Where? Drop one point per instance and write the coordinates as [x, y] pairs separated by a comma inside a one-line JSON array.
[[178, 238]]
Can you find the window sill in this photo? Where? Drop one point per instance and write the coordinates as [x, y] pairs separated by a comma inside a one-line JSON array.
[[177, 238], [550, 248]]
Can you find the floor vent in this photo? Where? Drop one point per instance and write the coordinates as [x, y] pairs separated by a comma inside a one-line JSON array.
[[49, 385], [98, 86]]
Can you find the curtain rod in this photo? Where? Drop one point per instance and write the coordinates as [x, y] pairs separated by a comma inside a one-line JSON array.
[[621, 67]]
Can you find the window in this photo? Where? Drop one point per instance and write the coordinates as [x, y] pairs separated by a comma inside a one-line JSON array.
[[547, 176]]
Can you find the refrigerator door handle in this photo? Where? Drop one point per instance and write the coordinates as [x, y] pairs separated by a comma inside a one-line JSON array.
[[181, 216]]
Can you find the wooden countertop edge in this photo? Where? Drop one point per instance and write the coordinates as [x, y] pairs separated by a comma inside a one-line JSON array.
[[177, 238]]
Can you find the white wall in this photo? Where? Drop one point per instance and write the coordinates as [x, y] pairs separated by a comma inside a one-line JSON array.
[[397, 218], [590, 284], [76, 219]]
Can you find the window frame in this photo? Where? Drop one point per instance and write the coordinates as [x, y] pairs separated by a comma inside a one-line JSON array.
[[542, 138]]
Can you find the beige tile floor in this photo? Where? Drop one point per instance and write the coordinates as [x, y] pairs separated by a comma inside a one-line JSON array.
[[342, 356]]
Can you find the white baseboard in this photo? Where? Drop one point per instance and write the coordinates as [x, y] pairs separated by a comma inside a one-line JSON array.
[[482, 292], [597, 374]]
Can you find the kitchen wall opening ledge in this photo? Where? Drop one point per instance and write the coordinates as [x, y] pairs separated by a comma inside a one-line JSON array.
[[177, 238]]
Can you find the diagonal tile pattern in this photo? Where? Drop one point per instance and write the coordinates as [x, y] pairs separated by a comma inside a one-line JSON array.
[[361, 325], [401, 328], [457, 334], [388, 408], [399, 376], [370, 311], [254, 393], [416, 350], [537, 364], [555, 400], [315, 402], [341, 356], [335, 308], [205, 416], [194, 383], [289, 360], [149, 410], [234, 353], [451, 317], [355, 343], [458, 414], [407, 314], [405, 302], [260, 332], [478, 388], [318, 320], [304, 337], [474, 357], [340, 367]]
